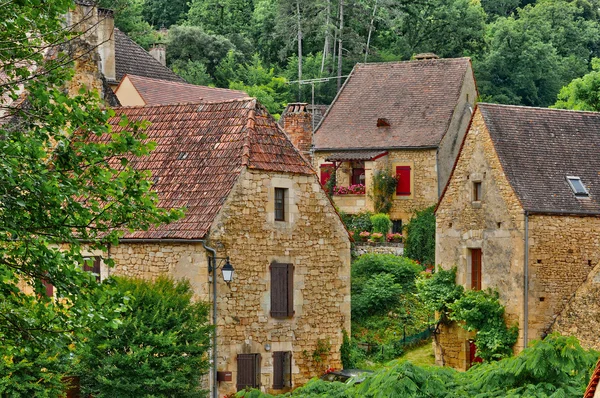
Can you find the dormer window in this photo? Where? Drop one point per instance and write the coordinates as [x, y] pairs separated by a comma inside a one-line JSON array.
[[383, 122], [577, 187]]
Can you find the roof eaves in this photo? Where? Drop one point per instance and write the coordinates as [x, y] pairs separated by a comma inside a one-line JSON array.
[[376, 148]]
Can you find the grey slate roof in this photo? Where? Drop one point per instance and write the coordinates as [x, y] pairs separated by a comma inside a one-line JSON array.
[[354, 155], [132, 59], [418, 98], [538, 148]]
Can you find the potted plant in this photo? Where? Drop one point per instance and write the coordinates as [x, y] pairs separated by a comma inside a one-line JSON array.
[[376, 237], [365, 235], [394, 238]]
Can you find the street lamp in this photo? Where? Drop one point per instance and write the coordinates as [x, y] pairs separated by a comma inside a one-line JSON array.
[[227, 271]]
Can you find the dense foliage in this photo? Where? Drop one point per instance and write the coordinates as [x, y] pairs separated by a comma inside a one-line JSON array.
[[523, 51], [382, 191], [475, 310], [555, 367], [381, 223], [50, 160], [420, 237], [158, 349], [582, 94]]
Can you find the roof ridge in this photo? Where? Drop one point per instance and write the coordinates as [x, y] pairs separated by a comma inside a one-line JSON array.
[[250, 127], [367, 64], [535, 107], [245, 99], [181, 83]]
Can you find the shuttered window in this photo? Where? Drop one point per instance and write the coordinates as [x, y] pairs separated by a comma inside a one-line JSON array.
[[280, 204], [476, 269], [92, 264], [403, 175], [282, 290], [49, 288], [248, 371], [282, 369], [326, 171]]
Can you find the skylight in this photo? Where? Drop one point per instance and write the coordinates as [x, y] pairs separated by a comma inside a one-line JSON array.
[[577, 187]]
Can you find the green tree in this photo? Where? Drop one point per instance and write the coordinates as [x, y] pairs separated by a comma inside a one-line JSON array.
[[193, 72], [420, 237], [159, 348], [582, 94], [164, 13], [61, 185], [221, 17], [129, 19]]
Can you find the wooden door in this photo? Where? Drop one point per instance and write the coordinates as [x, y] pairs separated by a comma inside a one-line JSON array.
[[476, 269]]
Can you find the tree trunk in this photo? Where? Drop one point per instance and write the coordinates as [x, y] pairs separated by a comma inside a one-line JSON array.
[[339, 75], [326, 45], [299, 50], [370, 31]]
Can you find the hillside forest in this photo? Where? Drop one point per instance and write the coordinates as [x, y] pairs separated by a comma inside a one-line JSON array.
[[523, 51]]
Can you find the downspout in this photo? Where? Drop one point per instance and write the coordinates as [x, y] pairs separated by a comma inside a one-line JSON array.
[[214, 283], [526, 283], [437, 172]]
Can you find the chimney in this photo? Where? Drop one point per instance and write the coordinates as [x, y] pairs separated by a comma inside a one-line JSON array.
[[106, 43], [424, 56], [159, 52], [296, 121]]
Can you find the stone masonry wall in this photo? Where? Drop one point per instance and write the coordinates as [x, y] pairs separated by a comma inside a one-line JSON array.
[[315, 241], [563, 260], [494, 224]]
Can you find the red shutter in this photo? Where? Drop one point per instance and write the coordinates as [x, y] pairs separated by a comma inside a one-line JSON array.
[[49, 288], [476, 269], [403, 175], [326, 171]]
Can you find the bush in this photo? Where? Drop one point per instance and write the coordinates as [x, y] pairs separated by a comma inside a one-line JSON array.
[[159, 349], [404, 270], [377, 296], [381, 223], [362, 222], [383, 189], [420, 240], [350, 353]]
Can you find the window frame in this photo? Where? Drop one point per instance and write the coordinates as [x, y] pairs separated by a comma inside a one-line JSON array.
[[477, 191], [583, 193], [279, 208], [95, 268]]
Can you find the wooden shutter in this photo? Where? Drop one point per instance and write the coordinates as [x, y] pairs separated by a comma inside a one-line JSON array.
[[476, 269], [326, 171], [282, 290], [278, 366], [248, 371], [403, 175], [94, 267], [49, 288]]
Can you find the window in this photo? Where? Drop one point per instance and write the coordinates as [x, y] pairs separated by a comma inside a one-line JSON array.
[[280, 194], [248, 371], [282, 369], [396, 226], [358, 176], [476, 191], [403, 176], [49, 288], [476, 269], [577, 187], [327, 170], [92, 264], [282, 290]]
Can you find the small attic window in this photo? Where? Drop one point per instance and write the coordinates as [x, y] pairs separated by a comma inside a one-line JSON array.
[[577, 187], [383, 122]]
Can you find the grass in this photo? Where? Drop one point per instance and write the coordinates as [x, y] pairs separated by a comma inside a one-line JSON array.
[[421, 355]]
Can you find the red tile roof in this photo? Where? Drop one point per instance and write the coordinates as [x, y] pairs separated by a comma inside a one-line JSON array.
[[594, 381], [164, 92], [418, 98], [201, 150]]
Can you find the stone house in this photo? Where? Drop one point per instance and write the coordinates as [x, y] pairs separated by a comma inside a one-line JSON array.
[[404, 117], [250, 195], [521, 214]]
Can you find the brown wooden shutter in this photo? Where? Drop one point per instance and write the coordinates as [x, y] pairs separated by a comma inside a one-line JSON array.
[[94, 268], [248, 371], [278, 366], [476, 269], [49, 288], [282, 290]]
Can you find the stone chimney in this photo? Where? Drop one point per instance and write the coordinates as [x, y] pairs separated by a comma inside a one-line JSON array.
[[106, 43], [424, 56], [296, 121], [159, 52]]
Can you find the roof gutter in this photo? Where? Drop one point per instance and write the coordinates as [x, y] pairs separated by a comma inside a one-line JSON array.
[[376, 149], [159, 240], [564, 212]]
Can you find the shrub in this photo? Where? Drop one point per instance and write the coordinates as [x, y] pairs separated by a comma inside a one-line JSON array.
[[350, 353], [159, 348], [420, 240], [362, 222], [378, 296], [383, 189], [381, 223], [403, 269]]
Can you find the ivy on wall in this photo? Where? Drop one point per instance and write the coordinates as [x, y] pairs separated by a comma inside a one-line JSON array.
[[383, 188]]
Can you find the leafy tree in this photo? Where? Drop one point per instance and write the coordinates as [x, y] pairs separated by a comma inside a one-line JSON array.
[[582, 94], [158, 350], [221, 17], [130, 20], [164, 13], [439, 290], [420, 239], [193, 72], [60, 186]]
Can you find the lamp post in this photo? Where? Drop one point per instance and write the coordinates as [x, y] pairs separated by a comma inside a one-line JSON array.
[[227, 272]]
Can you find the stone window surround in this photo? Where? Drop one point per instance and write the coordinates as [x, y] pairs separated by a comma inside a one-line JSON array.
[[298, 292], [473, 179], [465, 279], [291, 208], [410, 164]]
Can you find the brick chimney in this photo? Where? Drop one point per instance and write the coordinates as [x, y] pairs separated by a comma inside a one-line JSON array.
[[296, 121]]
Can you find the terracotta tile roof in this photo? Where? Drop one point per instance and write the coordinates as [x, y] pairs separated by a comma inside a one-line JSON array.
[[164, 92], [418, 99], [590, 392], [130, 58], [354, 155], [201, 150], [538, 148]]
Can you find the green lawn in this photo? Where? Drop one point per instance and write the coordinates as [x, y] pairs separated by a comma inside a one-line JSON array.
[[421, 355]]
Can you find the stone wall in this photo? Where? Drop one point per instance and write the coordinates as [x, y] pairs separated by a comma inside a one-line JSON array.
[[451, 346], [564, 251], [395, 249], [495, 224], [315, 241]]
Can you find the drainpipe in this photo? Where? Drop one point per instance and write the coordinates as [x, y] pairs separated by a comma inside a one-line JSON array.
[[213, 259], [526, 284]]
